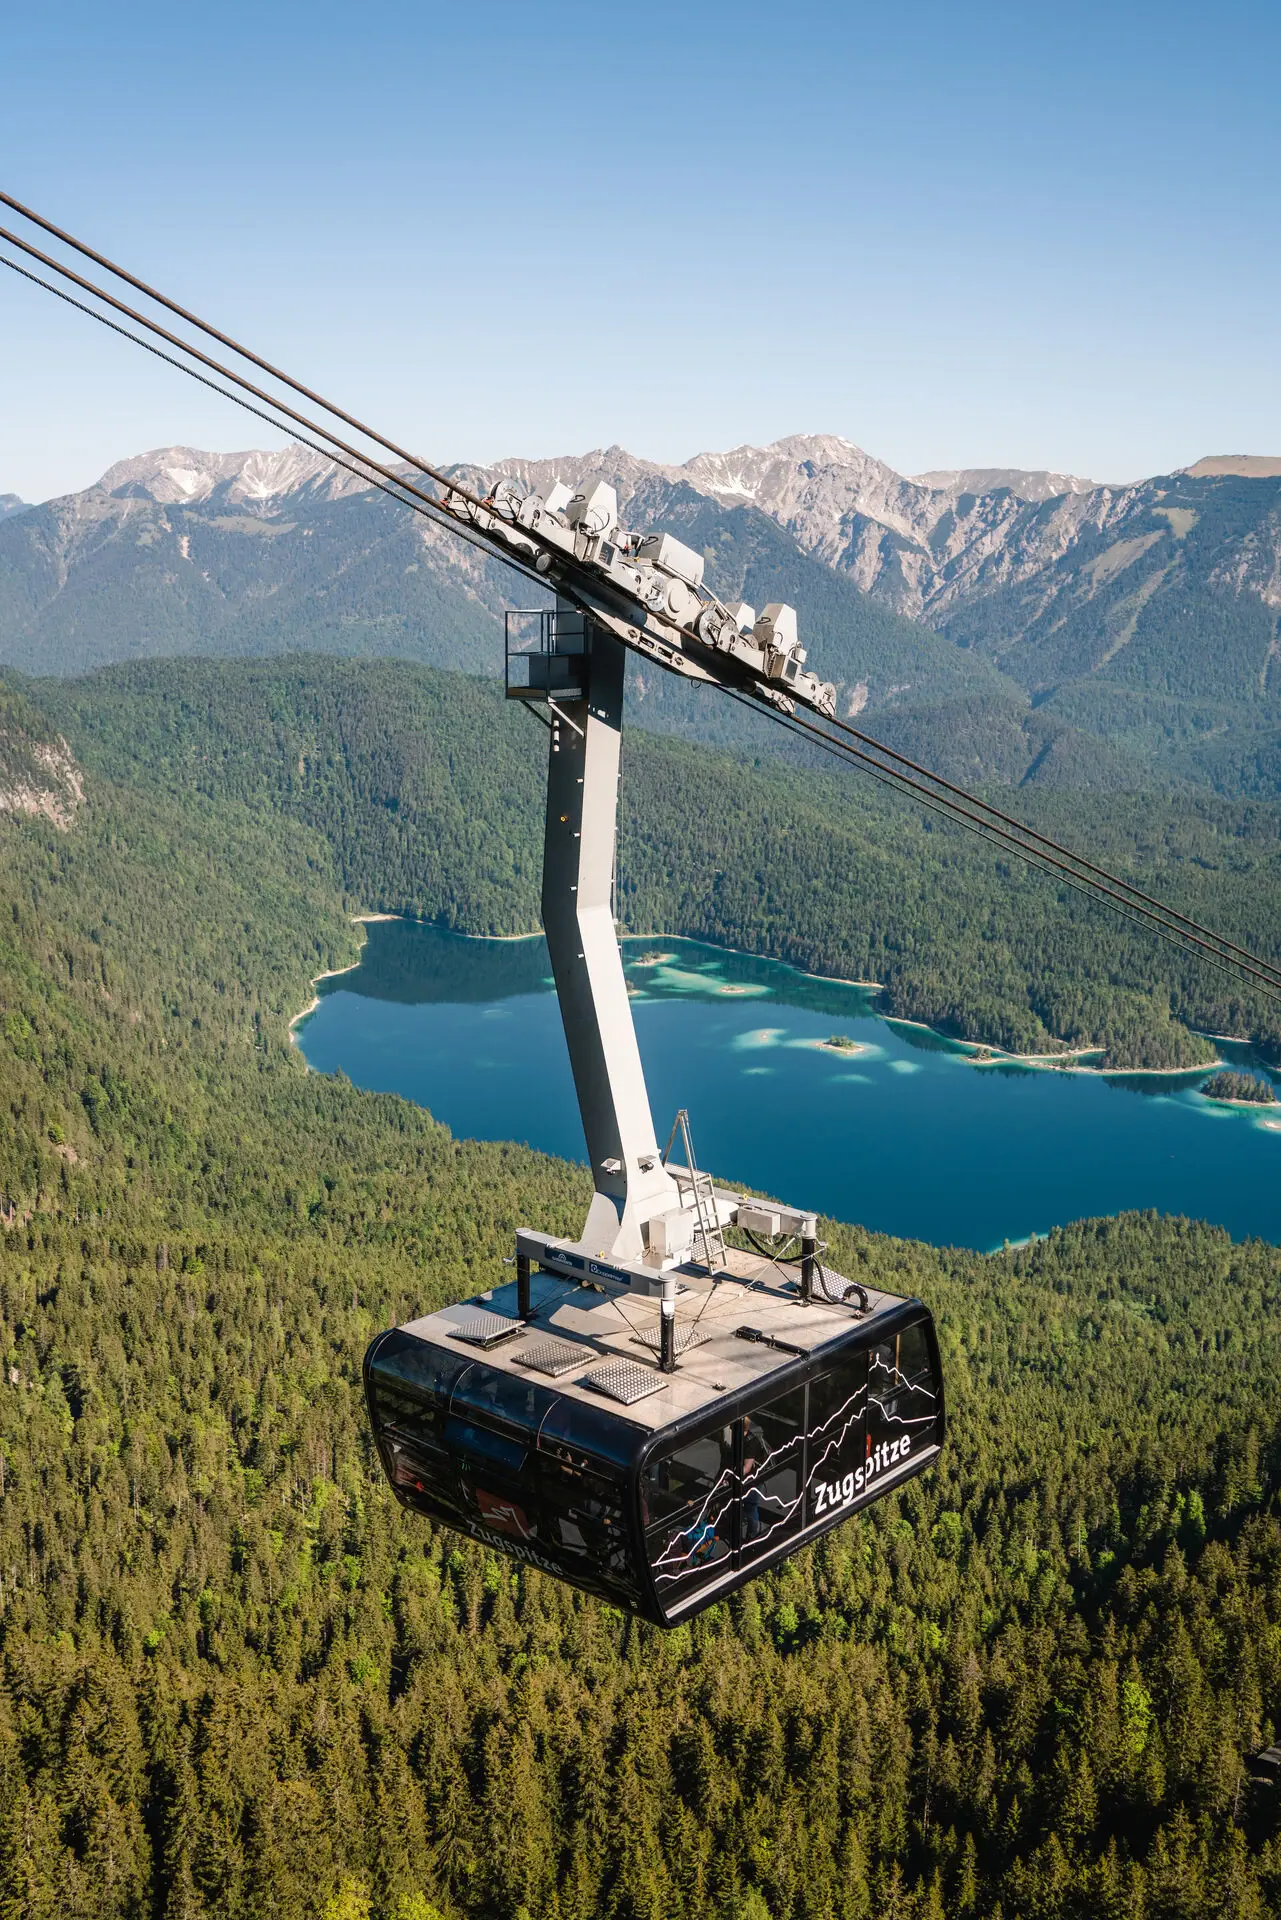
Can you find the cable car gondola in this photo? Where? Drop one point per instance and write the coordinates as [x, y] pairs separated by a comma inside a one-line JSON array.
[[556, 1438]]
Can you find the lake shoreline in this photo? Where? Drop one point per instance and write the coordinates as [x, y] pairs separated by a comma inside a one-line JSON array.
[[1057, 1063], [892, 1135], [335, 973], [995, 1056]]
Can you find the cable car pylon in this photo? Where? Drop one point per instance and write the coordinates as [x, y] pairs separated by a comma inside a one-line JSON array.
[[665, 1405]]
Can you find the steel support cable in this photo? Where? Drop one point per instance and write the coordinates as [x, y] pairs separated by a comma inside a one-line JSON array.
[[224, 339], [995, 836], [449, 515], [279, 406], [246, 353], [152, 293], [984, 830], [1248, 963], [1184, 943], [435, 515], [1021, 827], [428, 504]]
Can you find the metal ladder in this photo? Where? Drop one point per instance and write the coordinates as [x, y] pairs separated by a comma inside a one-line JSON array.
[[708, 1231]]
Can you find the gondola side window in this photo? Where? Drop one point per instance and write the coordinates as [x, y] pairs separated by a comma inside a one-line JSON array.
[[412, 1384], [773, 1456], [507, 1400], [902, 1397], [687, 1503], [836, 1448]]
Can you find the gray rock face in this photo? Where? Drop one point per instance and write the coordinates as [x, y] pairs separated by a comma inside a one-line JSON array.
[[1170, 586], [1027, 485], [184, 476], [1106, 600]]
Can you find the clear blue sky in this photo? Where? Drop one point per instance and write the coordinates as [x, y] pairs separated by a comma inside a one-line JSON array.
[[957, 234]]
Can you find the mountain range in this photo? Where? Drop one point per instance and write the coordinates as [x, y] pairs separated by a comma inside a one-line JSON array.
[[1017, 625]]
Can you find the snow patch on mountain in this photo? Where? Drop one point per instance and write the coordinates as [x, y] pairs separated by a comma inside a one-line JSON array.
[[182, 476]]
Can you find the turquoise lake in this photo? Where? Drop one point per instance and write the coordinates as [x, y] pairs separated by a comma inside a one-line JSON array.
[[906, 1135]]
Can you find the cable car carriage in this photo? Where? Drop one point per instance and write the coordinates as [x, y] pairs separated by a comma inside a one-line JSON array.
[[649, 1412], [541, 1419]]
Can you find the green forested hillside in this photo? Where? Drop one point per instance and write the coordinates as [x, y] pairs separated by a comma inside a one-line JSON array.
[[1167, 594], [97, 577], [1132, 647], [426, 786], [236, 1681]]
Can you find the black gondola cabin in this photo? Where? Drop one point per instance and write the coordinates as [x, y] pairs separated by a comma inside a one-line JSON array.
[[559, 1441]]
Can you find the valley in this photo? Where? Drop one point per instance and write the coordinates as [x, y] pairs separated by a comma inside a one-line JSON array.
[[238, 1680]]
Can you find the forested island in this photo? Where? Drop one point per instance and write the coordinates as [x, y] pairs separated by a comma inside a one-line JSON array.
[[1246, 1088], [238, 1681]]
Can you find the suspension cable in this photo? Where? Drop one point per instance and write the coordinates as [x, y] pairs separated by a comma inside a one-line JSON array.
[[1021, 826], [1042, 862], [436, 519], [228, 373], [1213, 944], [245, 353]]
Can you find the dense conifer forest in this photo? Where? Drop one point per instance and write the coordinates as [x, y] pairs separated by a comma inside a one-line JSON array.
[[427, 788], [235, 1680]]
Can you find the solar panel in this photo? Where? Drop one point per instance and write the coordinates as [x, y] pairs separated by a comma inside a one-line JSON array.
[[482, 1329], [552, 1357], [624, 1381]]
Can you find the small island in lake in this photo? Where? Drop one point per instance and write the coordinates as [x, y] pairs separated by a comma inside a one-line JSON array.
[[841, 1043], [1244, 1088]]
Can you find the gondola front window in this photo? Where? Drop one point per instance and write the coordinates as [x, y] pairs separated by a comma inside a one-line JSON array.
[[903, 1401], [412, 1384]]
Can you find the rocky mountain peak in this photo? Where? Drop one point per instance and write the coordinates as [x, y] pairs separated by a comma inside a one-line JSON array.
[[181, 476], [1024, 483], [750, 472]]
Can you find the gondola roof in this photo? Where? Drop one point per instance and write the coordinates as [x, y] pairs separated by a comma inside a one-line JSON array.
[[598, 1343]]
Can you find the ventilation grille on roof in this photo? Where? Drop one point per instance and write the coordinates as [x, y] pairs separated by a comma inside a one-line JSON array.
[[624, 1381], [552, 1357], [686, 1337], [481, 1329]]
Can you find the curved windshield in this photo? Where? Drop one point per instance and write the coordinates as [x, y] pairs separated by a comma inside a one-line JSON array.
[[411, 1382]]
